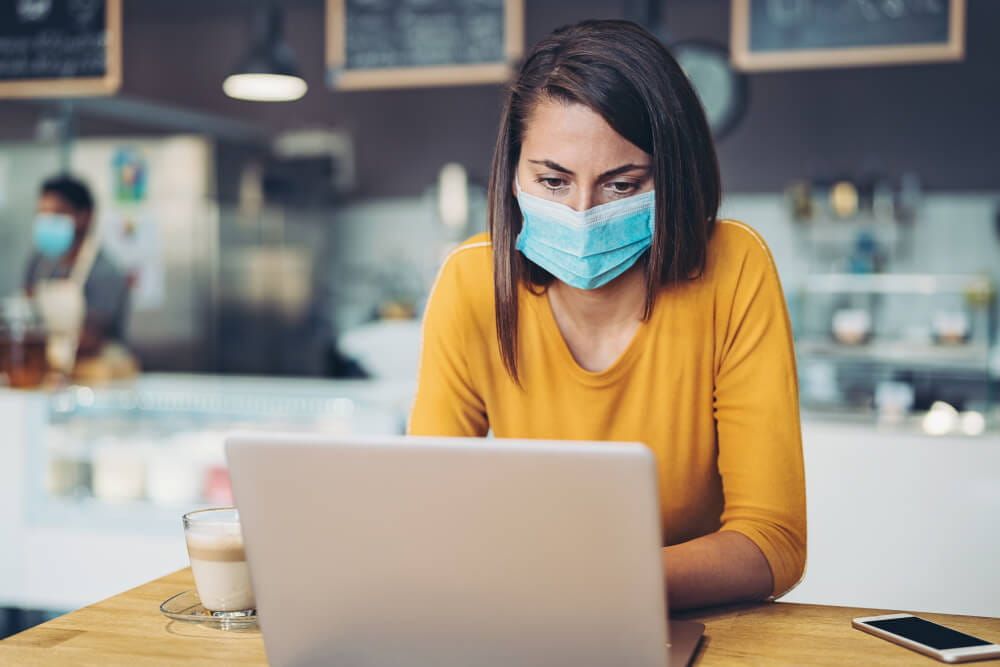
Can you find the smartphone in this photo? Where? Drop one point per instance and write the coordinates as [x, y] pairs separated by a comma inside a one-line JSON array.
[[928, 638]]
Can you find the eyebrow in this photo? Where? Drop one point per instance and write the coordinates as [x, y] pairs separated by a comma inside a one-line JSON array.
[[555, 166]]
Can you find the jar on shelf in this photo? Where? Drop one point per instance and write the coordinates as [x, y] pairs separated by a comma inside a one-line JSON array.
[[69, 471], [23, 338], [119, 469]]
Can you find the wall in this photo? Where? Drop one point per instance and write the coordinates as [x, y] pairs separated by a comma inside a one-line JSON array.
[[937, 120], [399, 152], [22, 169]]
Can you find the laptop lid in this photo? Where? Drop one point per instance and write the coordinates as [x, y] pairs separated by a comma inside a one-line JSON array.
[[446, 552]]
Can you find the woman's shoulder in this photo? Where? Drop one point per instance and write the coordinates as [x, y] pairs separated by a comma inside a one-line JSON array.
[[465, 279], [735, 246], [474, 252], [736, 236], [470, 264]]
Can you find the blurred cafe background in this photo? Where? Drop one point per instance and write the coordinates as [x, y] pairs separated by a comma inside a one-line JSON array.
[[278, 183]]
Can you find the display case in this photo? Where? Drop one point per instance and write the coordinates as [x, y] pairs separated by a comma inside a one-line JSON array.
[[915, 350], [89, 470]]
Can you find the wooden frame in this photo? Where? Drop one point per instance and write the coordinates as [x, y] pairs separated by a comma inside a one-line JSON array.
[[70, 87], [412, 77], [745, 59]]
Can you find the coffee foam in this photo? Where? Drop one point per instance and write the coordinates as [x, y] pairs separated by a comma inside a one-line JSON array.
[[216, 546]]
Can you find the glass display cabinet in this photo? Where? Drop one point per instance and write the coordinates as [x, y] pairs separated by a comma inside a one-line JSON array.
[[157, 444], [92, 469], [907, 348]]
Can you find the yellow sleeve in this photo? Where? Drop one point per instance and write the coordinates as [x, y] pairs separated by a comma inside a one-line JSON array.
[[447, 403], [757, 417]]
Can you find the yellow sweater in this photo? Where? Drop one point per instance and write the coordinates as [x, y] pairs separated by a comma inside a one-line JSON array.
[[708, 383]]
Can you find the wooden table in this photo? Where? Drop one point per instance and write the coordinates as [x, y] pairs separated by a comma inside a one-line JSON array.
[[128, 630]]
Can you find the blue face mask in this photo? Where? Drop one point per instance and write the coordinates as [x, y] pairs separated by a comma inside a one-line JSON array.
[[586, 249], [53, 234]]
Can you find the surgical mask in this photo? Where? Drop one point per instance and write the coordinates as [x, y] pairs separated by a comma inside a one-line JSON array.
[[586, 249], [53, 234]]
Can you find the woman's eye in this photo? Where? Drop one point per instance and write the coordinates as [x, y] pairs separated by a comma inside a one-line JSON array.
[[623, 187], [552, 183]]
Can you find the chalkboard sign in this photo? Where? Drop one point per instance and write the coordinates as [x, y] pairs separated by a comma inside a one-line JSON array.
[[59, 48], [798, 34], [406, 43]]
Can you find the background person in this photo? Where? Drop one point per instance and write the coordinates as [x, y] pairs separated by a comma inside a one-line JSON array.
[[65, 247]]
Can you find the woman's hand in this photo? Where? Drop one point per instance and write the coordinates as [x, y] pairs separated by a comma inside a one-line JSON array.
[[718, 568]]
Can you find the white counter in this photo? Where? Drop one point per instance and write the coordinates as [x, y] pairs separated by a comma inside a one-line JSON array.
[[901, 521]]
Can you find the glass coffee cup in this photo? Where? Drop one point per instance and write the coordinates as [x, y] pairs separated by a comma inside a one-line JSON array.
[[219, 562], [23, 361]]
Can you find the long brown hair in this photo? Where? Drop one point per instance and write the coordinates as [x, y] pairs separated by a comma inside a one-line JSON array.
[[623, 73]]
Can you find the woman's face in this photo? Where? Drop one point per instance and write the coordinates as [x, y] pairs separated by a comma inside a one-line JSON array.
[[571, 155]]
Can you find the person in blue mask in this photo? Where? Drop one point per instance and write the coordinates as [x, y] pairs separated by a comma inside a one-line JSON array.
[[610, 302], [61, 233]]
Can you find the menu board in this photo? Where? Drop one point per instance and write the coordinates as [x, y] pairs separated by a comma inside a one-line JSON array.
[[406, 43], [60, 48], [797, 34]]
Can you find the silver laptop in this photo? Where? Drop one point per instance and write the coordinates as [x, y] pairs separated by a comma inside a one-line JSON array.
[[441, 552]]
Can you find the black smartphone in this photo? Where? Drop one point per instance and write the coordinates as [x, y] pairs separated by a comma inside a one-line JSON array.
[[933, 639]]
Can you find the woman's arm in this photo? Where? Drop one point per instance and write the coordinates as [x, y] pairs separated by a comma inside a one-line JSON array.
[[756, 409], [721, 567]]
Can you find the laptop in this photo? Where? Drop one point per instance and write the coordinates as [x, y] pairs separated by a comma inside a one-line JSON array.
[[451, 552]]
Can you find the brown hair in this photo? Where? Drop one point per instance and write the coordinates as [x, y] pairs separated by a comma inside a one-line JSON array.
[[623, 73]]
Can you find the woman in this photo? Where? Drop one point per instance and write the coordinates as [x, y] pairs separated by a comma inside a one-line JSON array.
[[609, 303]]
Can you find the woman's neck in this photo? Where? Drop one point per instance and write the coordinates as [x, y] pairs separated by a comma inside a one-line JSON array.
[[619, 303]]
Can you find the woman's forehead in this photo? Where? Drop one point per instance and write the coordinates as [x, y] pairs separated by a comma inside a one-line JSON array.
[[576, 137]]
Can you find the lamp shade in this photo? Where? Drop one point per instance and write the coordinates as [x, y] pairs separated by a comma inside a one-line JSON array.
[[268, 73]]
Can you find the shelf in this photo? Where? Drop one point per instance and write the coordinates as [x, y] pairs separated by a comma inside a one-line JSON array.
[[817, 417], [897, 283], [965, 358], [846, 231]]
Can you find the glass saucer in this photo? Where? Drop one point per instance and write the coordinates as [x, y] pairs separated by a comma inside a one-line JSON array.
[[187, 607]]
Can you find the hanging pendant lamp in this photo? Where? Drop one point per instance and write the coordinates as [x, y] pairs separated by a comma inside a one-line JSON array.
[[268, 73]]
